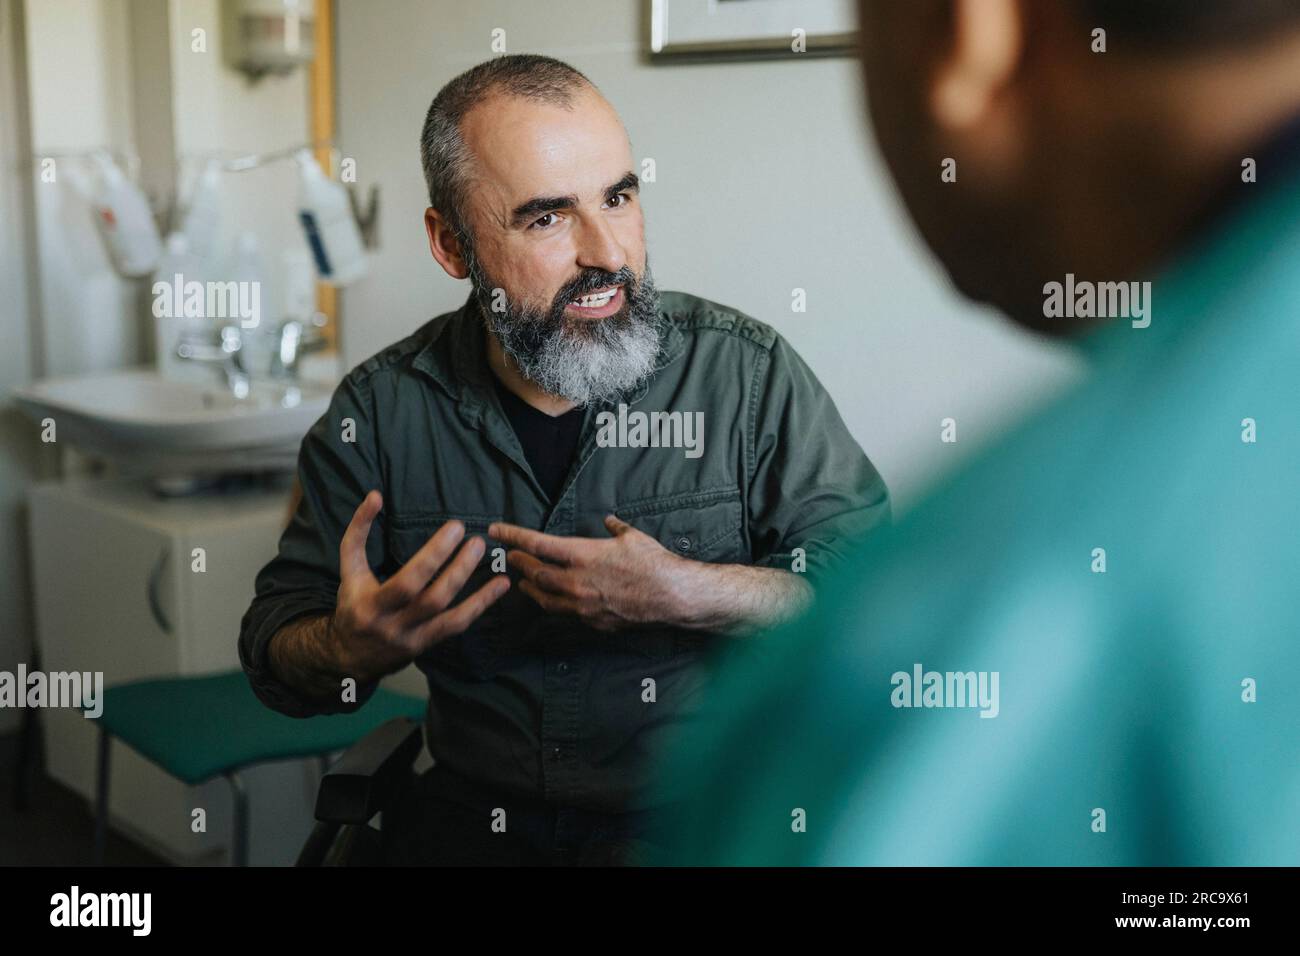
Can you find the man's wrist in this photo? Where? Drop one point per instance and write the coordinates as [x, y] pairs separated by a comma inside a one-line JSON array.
[[679, 591], [342, 662], [732, 598], [299, 656], [699, 595], [336, 656]]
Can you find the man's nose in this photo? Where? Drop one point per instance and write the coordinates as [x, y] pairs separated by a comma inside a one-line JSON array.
[[598, 248]]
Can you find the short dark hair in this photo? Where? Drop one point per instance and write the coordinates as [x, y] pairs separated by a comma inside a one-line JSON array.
[[443, 152], [1189, 22]]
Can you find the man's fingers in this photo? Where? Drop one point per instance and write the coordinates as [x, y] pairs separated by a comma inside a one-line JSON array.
[[404, 586], [457, 619], [352, 549], [561, 550], [548, 577], [435, 598], [616, 525], [549, 601], [524, 562]]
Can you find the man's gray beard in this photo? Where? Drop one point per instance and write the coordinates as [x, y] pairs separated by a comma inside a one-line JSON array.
[[582, 360]]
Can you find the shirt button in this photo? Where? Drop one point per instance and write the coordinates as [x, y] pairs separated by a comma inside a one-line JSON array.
[[562, 667], [555, 753], [683, 543]]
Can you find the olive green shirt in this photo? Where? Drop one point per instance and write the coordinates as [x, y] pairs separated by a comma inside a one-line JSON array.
[[524, 700]]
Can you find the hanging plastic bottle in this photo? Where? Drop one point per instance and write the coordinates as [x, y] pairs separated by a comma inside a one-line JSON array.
[[326, 216], [203, 217], [124, 219]]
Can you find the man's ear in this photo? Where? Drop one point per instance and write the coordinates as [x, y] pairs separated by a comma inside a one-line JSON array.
[[444, 245], [987, 43]]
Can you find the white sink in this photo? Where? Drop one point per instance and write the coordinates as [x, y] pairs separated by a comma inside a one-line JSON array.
[[138, 418]]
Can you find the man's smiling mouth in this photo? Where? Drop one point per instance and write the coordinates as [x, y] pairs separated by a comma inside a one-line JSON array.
[[596, 300]]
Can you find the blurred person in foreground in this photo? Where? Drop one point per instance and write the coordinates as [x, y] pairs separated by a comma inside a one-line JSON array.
[[1082, 649]]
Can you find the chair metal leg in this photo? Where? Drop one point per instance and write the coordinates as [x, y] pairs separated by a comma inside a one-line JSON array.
[[101, 796], [239, 844]]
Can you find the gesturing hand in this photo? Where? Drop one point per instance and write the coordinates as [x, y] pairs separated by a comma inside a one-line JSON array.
[[609, 583], [379, 628]]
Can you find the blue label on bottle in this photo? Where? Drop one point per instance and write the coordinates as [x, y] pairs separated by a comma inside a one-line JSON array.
[[313, 240]]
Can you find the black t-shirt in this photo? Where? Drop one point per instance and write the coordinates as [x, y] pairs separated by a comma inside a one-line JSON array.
[[548, 442]]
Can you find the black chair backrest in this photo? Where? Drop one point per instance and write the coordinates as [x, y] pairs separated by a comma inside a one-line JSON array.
[[368, 776]]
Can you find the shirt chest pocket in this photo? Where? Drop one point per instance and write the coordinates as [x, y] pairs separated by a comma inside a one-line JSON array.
[[705, 525]]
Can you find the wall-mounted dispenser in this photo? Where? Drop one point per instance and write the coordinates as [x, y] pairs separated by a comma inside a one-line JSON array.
[[268, 36]]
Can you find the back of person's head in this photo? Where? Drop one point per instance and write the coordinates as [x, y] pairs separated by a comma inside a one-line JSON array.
[[1185, 24], [1035, 138]]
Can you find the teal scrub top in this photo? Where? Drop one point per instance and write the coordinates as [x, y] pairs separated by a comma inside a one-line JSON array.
[[1147, 713]]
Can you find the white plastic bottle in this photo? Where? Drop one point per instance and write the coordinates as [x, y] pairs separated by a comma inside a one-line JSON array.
[[249, 275], [203, 216], [299, 285], [125, 221], [326, 216]]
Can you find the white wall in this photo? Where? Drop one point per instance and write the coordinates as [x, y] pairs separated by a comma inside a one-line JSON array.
[[766, 182]]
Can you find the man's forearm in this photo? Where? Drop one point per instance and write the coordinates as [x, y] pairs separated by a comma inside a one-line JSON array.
[[301, 656], [736, 598]]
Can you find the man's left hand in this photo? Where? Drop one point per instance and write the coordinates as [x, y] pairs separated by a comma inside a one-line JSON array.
[[609, 583]]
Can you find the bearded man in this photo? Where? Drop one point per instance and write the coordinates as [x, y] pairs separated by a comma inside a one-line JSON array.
[[469, 455]]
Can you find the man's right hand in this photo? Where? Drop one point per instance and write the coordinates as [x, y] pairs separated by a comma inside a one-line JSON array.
[[380, 628]]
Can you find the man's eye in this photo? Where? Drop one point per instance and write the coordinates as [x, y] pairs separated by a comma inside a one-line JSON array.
[[543, 223], [624, 197]]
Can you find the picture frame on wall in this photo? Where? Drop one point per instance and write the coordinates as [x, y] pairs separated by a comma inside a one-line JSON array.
[[745, 29]]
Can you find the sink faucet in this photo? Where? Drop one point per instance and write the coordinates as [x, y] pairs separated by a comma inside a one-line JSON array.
[[294, 340], [222, 351]]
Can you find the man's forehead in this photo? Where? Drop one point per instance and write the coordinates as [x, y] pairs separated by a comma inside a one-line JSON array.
[[525, 147]]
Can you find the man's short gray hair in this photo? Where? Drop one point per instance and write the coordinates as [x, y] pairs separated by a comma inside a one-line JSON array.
[[443, 152]]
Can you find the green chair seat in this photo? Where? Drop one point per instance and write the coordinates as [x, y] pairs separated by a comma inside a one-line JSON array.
[[198, 727]]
